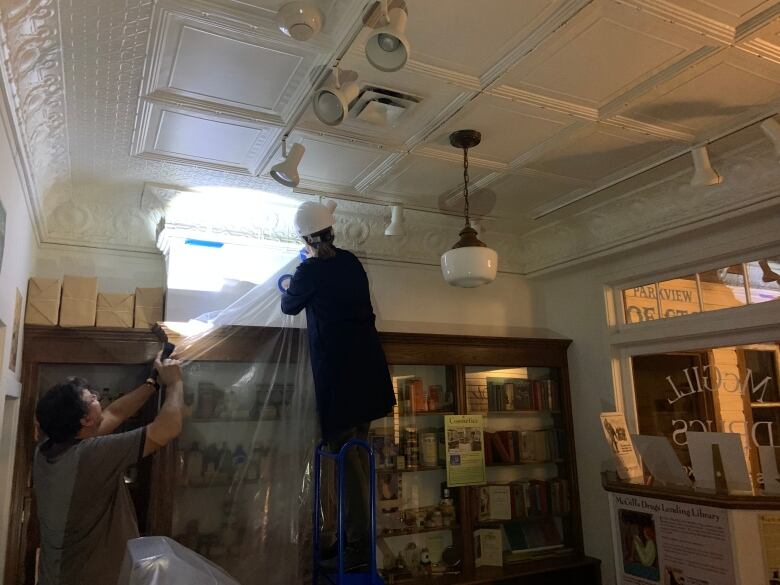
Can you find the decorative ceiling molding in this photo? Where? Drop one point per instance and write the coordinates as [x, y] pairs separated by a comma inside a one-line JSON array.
[[751, 178], [670, 11], [33, 78]]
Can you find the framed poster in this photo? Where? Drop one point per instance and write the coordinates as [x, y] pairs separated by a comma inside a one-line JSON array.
[[15, 332], [465, 453]]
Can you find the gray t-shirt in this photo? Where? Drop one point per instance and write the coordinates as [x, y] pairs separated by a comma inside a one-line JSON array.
[[84, 508]]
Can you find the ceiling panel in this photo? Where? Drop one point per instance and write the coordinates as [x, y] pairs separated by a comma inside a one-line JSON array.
[[718, 93], [245, 74], [219, 65], [518, 194], [731, 12], [199, 139], [354, 161], [422, 180], [438, 36], [603, 54], [509, 129], [600, 152]]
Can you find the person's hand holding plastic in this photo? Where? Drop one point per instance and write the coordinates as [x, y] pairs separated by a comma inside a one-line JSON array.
[[169, 370]]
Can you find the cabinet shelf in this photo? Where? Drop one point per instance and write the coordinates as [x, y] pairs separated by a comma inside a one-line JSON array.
[[217, 484], [517, 412], [405, 470], [549, 461], [765, 405], [423, 413], [412, 531], [527, 520]]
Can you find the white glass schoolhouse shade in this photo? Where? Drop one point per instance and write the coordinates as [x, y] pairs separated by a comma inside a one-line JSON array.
[[469, 264]]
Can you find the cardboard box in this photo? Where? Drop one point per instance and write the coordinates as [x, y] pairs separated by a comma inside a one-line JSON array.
[[79, 301], [115, 309], [43, 301], [148, 307]]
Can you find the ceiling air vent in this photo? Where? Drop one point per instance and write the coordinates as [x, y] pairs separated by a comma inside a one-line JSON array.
[[382, 107]]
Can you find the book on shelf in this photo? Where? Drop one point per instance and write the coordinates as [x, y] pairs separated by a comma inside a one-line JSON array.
[[521, 500], [520, 394], [525, 538], [495, 502], [488, 547], [514, 447]]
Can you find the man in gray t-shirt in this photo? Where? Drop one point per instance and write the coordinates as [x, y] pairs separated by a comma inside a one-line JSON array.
[[84, 508]]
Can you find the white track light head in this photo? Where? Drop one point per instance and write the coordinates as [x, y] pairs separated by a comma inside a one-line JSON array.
[[396, 227], [703, 173], [387, 48], [331, 102], [286, 172]]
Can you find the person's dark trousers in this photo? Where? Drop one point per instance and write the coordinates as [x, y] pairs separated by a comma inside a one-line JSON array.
[[356, 482]]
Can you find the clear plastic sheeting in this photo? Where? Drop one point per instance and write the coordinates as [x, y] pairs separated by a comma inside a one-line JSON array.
[[157, 560], [243, 465]]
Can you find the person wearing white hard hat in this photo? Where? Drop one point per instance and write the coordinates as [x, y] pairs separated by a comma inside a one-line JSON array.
[[351, 378]]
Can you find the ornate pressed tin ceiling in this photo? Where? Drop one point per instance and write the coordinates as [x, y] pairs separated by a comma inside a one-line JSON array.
[[118, 104]]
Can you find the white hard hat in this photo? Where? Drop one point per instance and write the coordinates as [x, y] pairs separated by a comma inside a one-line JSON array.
[[314, 217]]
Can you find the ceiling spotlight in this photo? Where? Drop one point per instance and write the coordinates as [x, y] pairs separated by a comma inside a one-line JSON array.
[[470, 263], [331, 101], [703, 173], [772, 130], [396, 227], [299, 20], [387, 48], [286, 172]]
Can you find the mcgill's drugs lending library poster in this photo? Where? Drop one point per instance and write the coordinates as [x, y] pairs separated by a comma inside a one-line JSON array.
[[671, 543]]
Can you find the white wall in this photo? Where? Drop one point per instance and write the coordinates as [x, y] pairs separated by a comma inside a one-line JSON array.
[[573, 304], [17, 264], [116, 271]]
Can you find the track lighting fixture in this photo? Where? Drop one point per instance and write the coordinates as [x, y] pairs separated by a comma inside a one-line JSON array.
[[703, 173], [299, 20], [286, 172], [470, 263], [387, 48], [331, 101], [396, 227], [772, 130]]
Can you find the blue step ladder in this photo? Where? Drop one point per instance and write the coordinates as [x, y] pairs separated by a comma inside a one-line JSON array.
[[370, 577]]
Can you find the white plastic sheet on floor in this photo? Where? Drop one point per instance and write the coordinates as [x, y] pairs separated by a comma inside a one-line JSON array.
[[244, 492], [157, 560]]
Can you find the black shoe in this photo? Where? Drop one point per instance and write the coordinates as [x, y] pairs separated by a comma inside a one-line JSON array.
[[355, 559]]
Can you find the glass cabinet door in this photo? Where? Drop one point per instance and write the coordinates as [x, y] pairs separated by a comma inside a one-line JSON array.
[[237, 442], [526, 503], [416, 517]]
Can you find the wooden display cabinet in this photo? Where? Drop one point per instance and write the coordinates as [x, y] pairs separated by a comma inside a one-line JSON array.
[[183, 496]]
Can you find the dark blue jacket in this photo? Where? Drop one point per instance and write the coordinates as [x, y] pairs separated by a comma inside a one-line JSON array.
[[351, 378]]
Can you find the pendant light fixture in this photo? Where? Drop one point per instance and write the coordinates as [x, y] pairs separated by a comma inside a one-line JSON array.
[[470, 263]]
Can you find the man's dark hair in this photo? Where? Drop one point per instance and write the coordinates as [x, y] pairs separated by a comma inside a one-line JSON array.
[[61, 409]]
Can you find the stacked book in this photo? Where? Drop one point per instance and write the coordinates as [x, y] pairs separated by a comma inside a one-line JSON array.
[[514, 447], [521, 394], [522, 500]]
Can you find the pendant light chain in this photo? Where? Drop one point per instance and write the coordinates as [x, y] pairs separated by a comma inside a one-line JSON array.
[[466, 182]]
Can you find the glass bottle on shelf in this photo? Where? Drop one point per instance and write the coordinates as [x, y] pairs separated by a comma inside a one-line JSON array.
[[194, 465], [239, 460], [447, 509], [253, 467], [225, 468]]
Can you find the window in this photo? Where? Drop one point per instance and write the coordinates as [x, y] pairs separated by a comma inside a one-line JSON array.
[[732, 389], [712, 290]]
